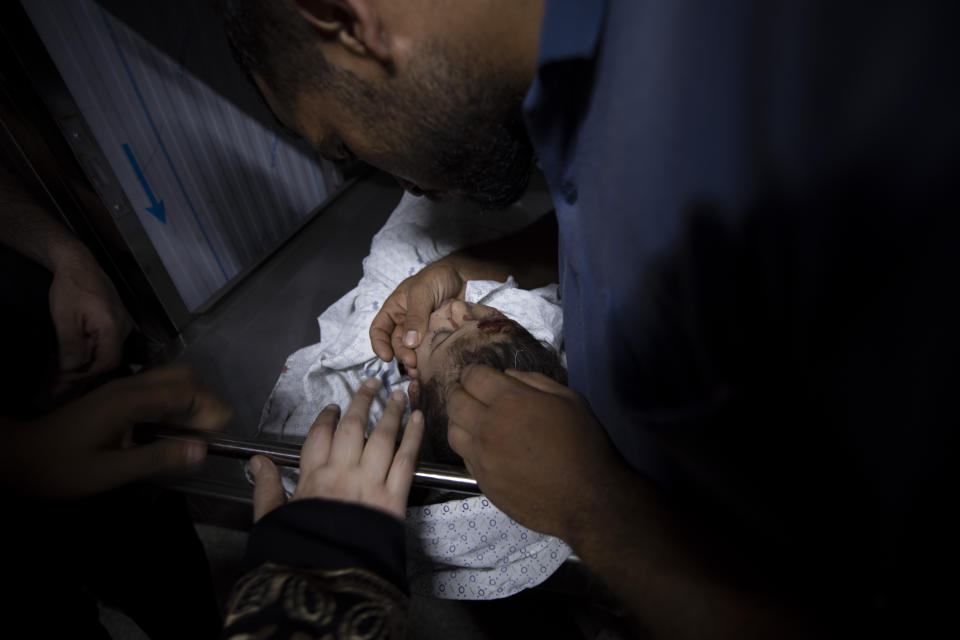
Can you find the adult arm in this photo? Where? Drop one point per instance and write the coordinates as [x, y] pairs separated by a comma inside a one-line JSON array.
[[85, 446], [540, 455], [529, 255], [339, 545], [90, 320]]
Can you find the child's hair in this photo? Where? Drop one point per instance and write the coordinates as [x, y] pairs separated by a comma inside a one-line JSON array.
[[521, 351]]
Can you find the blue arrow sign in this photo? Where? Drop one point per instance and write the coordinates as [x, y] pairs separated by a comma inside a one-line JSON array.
[[156, 208], [163, 147]]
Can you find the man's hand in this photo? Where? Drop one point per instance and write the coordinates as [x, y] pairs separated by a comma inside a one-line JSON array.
[[85, 447], [401, 323], [530, 256], [539, 454], [89, 319], [336, 464], [91, 322], [534, 447]]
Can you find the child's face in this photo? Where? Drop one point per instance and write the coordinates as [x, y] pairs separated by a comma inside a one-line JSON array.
[[454, 326]]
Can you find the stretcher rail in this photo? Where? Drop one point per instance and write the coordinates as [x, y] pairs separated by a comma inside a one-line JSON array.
[[428, 475]]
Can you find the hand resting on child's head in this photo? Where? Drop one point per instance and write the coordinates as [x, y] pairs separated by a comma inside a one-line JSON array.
[[461, 333]]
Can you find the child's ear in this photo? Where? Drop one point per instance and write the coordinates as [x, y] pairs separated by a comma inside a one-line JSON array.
[[413, 392]]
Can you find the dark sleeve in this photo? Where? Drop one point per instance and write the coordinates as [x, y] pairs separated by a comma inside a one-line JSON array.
[[322, 566]]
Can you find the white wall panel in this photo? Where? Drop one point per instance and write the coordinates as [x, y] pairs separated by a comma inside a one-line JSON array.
[[214, 189]]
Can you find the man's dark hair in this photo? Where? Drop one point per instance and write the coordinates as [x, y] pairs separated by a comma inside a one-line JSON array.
[[521, 351], [271, 40]]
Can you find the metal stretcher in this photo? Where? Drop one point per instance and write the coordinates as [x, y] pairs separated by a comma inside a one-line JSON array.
[[427, 475]]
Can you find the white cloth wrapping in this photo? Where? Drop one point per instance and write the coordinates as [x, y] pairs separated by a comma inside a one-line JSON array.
[[462, 549]]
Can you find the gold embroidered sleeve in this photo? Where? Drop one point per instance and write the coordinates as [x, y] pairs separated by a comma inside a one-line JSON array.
[[275, 601]]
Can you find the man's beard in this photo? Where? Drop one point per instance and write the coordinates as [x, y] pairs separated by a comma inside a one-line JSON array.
[[487, 158], [457, 123]]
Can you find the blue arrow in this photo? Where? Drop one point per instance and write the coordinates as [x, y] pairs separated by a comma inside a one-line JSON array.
[[156, 208], [163, 147]]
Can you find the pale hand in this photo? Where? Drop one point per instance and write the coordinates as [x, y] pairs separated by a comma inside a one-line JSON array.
[[336, 464]]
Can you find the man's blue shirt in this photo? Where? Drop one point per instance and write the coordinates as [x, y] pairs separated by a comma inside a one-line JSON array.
[[626, 159], [757, 217]]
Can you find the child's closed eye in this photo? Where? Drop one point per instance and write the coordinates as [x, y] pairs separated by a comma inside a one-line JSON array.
[[435, 340]]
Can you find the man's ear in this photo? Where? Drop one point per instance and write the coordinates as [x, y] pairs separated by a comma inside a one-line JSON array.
[[355, 24]]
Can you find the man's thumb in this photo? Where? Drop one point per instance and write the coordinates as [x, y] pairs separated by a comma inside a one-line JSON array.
[[539, 381], [420, 304]]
